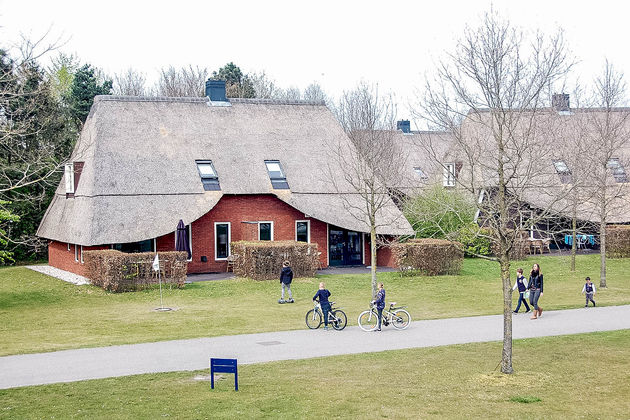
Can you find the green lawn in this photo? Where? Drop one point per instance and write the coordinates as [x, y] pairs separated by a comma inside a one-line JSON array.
[[580, 376], [40, 313]]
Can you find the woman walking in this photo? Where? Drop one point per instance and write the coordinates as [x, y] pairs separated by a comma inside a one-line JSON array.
[[535, 286]]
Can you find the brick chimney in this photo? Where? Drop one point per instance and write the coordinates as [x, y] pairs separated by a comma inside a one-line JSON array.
[[560, 101]]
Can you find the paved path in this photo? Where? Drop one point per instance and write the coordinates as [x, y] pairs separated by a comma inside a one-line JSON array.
[[194, 354]]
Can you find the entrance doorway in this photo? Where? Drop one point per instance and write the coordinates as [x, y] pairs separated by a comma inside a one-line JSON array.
[[344, 247]]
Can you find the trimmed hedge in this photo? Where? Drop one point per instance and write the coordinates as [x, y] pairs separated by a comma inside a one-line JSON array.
[[262, 260], [618, 241], [123, 272], [431, 257]]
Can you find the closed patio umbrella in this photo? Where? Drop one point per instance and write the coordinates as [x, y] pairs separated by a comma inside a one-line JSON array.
[[181, 241]]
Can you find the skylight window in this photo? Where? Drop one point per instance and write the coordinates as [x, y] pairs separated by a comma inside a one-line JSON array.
[[420, 172], [618, 171], [276, 175], [208, 174], [563, 171], [69, 177]]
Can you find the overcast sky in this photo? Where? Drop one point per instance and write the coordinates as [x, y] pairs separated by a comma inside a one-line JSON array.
[[336, 43]]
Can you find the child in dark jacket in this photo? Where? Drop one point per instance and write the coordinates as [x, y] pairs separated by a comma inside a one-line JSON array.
[[379, 302], [323, 294], [521, 283], [286, 277], [589, 289]]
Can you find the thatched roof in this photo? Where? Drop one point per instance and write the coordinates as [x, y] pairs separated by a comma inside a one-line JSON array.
[[551, 136], [140, 175]]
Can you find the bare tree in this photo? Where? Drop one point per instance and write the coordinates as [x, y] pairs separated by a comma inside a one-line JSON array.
[[371, 163], [130, 82], [264, 86], [608, 129], [490, 96], [314, 92], [187, 81]]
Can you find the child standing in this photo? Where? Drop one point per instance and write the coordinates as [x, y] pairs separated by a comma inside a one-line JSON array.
[[379, 301], [286, 277], [323, 294], [589, 289], [521, 283]]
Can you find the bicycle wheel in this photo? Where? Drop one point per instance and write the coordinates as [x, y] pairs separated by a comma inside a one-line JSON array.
[[401, 319], [340, 320], [313, 319], [368, 321]]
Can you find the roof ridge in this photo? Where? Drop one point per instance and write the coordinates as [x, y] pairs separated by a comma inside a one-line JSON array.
[[203, 99]]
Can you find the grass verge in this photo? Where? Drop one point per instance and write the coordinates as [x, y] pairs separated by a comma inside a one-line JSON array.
[[39, 313], [563, 377]]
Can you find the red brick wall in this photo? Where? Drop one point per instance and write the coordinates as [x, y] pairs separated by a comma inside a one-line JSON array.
[[60, 257], [384, 255], [237, 209]]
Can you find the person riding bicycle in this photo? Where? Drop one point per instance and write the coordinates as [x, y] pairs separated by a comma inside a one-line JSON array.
[[323, 294], [379, 301]]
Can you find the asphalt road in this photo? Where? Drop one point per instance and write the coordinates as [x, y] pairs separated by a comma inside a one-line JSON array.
[[195, 354]]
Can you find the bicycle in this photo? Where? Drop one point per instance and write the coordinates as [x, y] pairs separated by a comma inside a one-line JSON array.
[[396, 316], [336, 317]]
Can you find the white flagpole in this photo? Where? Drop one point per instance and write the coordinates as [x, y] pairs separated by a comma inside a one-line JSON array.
[[156, 267]]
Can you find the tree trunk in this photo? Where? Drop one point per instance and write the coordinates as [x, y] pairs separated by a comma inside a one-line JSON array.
[[373, 258], [602, 252], [573, 244], [506, 357]]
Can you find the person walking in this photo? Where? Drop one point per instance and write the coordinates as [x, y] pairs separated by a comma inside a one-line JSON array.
[[535, 286], [589, 289], [286, 277], [379, 301], [521, 283]]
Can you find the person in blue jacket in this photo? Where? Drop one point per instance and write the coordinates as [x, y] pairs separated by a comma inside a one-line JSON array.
[[323, 294], [286, 277], [379, 301]]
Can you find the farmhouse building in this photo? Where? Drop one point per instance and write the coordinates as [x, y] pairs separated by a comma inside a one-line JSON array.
[[237, 169]]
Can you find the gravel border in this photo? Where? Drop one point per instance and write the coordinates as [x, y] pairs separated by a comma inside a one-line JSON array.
[[60, 274]]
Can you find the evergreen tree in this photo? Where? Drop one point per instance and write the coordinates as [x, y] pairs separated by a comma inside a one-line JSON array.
[[237, 84], [85, 86]]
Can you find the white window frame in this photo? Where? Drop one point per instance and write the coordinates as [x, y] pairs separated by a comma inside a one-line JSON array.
[[69, 178], [308, 230], [189, 241], [216, 258], [265, 221], [76, 253], [449, 175], [68, 246], [81, 254]]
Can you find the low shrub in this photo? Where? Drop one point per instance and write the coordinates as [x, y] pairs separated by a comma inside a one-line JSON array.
[[123, 272], [429, 256], [262, 260], [475, 241], [618, 241]]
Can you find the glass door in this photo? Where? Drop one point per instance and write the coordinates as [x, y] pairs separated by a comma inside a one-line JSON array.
[[344, 247]]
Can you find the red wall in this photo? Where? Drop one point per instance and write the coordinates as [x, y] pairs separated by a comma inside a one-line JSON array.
[[237, 209], [60, 257], [384, 254]]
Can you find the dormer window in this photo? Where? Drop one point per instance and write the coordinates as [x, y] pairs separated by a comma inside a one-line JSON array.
[[420, 172], [69, 177], [618, 171], [563, 171], [208, 174], [276, 175]]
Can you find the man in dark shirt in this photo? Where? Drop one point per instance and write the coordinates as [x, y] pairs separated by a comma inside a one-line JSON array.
[[323, 294]]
